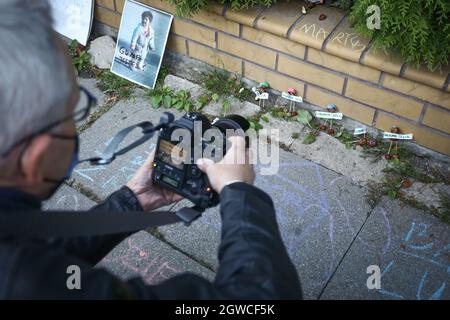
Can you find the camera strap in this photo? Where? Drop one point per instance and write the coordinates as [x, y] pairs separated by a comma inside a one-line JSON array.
[[110, 152], [69, 224]]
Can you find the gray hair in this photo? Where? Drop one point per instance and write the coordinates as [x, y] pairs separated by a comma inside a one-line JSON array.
[[35, 83]]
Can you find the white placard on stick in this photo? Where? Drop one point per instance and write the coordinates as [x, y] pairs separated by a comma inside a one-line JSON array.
[[291, 97], [390, 135], [329, 115], [264, 96], [359, 131]]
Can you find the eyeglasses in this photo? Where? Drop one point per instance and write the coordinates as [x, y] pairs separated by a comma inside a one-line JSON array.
[[84, 105]]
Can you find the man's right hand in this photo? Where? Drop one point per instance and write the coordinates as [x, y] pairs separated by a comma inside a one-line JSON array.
[[234, 167]]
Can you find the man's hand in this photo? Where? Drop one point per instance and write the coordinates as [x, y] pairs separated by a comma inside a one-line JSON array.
[[234, 167], [150, 196]]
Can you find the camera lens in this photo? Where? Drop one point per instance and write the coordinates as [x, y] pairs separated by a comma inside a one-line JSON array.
[[232, 121]]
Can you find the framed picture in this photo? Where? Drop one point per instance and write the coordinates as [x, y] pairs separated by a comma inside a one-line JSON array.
[[141, 43], [73, 18]]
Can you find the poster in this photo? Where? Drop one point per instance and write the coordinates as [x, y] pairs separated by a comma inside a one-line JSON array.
[[73, 18], [141, 43]]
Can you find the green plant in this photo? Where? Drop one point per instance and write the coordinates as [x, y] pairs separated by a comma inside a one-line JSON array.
[[80, 56], [255, 125], [160, 96], [202, 101], [309, 138], [404, 168], [190, 7], [419, 31], [226, 106], [115, 86], [221, 83], [304, 117], [182, 101]]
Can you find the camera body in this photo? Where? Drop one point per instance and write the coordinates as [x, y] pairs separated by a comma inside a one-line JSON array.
[[174, 168]]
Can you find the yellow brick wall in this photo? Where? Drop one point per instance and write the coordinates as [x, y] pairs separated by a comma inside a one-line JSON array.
[[369, 86]]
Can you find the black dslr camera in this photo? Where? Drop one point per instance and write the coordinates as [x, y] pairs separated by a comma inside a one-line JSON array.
[[174, 167]]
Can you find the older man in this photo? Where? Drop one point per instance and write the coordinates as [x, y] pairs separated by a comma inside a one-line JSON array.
[[40, 102]]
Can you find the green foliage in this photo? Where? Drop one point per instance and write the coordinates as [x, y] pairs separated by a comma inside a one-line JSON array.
[[182, 101], [226, 106], [304, 117], [165, 97], [115, 86], [281, 113], [255, 125], [160, 96], [418, 30], [309, 138], [80, 56], [189, 7], [221, 83], [404, 168]]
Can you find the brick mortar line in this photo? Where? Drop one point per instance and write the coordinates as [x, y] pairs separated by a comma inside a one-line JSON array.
[[446, 83], [293, 26], [344, 87], [422, 114], [255, 22], [328, 38], [363, 54]]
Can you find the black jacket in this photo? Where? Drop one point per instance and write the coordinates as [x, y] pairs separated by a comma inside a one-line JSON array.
[[253, 262]]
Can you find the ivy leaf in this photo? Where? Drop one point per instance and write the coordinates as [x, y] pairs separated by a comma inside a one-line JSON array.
[[215, 97], [265, 119], [310, 138]]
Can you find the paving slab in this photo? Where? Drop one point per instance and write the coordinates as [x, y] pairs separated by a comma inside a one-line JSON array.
[[327, 151], [319, 213], [103, 180], [142, 255], [68, 199], [412, 250], [91, 85]]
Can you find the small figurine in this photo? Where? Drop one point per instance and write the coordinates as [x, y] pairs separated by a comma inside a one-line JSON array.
[[260, 92], [303, 10], [388, 155], [263, 86], [292, 92]]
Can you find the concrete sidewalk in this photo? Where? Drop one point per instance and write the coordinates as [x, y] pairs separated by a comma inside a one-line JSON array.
[[331, 233]]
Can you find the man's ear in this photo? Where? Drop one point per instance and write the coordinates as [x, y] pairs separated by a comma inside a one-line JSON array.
[[33, 156]]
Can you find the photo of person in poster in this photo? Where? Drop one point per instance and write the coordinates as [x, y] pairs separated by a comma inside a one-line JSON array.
[[141, 42]]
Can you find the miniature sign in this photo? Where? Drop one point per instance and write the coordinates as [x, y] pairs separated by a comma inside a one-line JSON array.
[[264, 96], [291, 97], [328, 115], [389, 135], [359, 131], [73, 18], [141, 43]]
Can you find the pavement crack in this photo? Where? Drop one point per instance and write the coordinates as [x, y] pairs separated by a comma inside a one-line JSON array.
[[345, 254]]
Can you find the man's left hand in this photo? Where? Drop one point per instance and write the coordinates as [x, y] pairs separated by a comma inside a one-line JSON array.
[[150, 196]]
